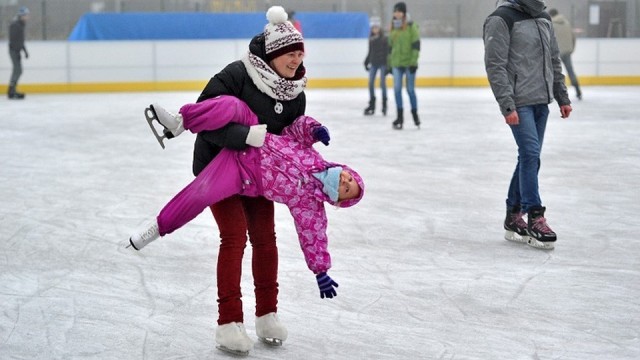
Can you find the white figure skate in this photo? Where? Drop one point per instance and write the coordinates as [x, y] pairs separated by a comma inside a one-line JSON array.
[[233, 338], [171, 124], [270, 330]]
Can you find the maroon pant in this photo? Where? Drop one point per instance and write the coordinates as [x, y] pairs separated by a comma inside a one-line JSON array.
[[236, 216]]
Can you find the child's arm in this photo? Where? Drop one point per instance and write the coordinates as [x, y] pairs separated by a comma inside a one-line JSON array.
[[310, 220], [307, 131]]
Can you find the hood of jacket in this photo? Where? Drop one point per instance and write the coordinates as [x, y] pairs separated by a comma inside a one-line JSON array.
[[358, 179], [531, 7]]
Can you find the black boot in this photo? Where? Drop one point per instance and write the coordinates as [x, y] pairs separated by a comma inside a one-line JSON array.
[[384, 106], [397, 123], [416, 119], [372, 107], [13, 94], [540, 233]]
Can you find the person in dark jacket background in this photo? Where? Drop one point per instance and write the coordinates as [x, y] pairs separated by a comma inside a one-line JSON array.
[[567, 44], [375, 61], [16, 47], [271, 80]]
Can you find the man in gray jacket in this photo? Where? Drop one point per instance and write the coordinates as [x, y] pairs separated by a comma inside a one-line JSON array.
[[523, 65]]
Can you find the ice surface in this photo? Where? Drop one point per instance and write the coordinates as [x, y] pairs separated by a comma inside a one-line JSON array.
[[423, 269]]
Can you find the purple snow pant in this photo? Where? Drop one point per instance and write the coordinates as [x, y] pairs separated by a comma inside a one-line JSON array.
[[225, 174]]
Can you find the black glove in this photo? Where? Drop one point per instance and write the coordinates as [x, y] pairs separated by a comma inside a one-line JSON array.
[[321, 133], [26, 54], [326, 286], [413, 69], [367, 66]]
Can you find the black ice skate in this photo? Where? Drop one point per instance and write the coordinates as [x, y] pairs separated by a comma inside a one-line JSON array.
[[515, 227], [371, 108], [539, 234]]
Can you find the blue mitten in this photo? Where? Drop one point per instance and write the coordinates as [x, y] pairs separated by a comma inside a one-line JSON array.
[[321, 133], [326, 286]]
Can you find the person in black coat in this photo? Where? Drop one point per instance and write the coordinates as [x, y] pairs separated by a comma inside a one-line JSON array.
[[375, 61], [16, 46], [271, 80]]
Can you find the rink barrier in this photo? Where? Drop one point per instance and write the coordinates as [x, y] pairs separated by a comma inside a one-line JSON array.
[[119, 66]]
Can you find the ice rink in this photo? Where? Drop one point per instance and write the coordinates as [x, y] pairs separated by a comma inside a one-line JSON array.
[[423, 269]]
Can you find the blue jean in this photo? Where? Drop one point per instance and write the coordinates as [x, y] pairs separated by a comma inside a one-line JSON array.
[[373, 70], [398, 74], [529, 135]]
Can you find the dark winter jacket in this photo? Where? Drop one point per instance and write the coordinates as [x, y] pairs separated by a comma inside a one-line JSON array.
[[522, 59], [378, 50], [235, 81], [16, 34]]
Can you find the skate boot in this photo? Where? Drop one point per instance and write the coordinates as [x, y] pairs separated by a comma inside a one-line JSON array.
[[270, 330], [539, 233], [371, 108], [416, 119], [172, 125], [397, 123], [514, 225], [233, 338], [13, 94], [144, 237], [384, 106]]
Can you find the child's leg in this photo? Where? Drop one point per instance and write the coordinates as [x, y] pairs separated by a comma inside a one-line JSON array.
[[215, 113], [219, 180]]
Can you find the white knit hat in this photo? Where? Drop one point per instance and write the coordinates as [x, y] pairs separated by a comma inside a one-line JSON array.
[[280, 36]]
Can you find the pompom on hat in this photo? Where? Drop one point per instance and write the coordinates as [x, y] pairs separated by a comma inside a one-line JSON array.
[[280, 36]]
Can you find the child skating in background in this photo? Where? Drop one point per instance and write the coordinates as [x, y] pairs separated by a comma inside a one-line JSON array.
[[283, 168]]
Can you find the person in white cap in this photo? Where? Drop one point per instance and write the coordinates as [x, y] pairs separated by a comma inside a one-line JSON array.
[[270, 79]]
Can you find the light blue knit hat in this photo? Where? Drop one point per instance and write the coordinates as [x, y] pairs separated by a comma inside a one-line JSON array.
[[330, 179]]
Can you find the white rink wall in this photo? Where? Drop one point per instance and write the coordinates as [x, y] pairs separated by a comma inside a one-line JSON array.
[[131, 65]]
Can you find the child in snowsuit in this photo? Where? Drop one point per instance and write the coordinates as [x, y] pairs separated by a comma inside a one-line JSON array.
[[285, 169]]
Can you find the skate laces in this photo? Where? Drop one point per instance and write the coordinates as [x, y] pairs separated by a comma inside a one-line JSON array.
[[541, 225], [517, 221]]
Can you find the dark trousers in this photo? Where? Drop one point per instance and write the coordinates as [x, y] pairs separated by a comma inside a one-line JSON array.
[[16, 60]]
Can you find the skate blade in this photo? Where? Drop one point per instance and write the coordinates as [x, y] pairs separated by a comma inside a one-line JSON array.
[[271, 341], [150, 115], [514, 236], [232, 351], [544, 245]]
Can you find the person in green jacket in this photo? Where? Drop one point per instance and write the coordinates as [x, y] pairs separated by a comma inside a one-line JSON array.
[[404, 44]]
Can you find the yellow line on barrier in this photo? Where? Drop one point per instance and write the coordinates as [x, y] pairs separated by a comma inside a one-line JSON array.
[[312, 84]]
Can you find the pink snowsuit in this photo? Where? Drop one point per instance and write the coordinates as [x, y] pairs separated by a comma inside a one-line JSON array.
[[281, 170]]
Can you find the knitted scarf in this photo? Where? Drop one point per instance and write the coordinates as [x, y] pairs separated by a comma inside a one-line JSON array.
[[269, 82]]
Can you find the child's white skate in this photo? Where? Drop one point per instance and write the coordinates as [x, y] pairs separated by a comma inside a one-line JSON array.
[[270, 330], [143, 237], [171, 124], [233, 338]]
